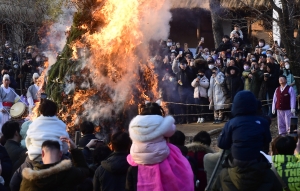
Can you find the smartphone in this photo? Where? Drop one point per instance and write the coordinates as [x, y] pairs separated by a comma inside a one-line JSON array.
[[202, 39], [180, 52]]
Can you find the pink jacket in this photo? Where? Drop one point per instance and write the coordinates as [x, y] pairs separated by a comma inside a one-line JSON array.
[[148, 134], [174, 173]]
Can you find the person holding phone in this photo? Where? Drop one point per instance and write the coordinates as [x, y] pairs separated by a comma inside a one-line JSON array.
[[284, 101]]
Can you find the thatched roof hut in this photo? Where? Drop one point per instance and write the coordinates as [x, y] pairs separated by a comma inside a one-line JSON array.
[[232, 4]]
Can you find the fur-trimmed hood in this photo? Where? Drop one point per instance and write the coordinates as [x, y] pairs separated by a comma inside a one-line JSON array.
[[148, 127], [36, 174], [197, 146]]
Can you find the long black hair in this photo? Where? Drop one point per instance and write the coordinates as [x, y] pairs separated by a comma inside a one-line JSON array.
[[152, 108]]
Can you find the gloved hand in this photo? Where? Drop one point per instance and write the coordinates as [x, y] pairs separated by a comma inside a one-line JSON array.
[[273, 111], [293, 110]]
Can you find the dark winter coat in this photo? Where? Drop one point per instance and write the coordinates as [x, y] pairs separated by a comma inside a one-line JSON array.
[[58, 176], [232, 85], [85, 139], [111, 175], [6, 165], [224, 46], [255, 82], [246, 134], [16, 153], [197, 151], [258, 177]]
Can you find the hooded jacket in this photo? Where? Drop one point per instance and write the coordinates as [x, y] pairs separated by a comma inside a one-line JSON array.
[[111, 175], [246, 134], [58, 176], [216, 93], [148, 133]]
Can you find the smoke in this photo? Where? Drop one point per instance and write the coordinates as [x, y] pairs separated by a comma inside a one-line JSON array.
[[119, 50], [56, 40]]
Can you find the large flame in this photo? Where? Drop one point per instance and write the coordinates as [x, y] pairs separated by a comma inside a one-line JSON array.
[[118, 68]]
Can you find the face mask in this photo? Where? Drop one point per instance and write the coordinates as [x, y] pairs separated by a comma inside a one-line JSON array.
[[268, 55], [171, 79], [253, 59], [9, 58], [169, 44], [210, 66], [287, 66], [260, 44], [246, 67], [38, 59], [261, 68]]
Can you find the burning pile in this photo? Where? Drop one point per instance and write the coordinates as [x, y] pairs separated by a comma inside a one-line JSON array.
[[104, 71]]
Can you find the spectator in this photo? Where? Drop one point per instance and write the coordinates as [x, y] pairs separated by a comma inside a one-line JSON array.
[[185, 77], [284, 101], [232, 84], [225, 45], [155, 164], [197, 150], [111, 174], [178, 48], [216, 95], [178, 139], [200, 84], [256, 79], [100, 154], [255, 132], [17, 153], [246, 135], [245, 76], [23, 132], [54, 173], [45, 127], [87, 130], [6, 165], [284, 160], [263, 95], [290, 77], [262, 45]]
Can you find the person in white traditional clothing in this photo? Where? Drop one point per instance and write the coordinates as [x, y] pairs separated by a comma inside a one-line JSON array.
[[7, 99], [33, 91], [46, 127]]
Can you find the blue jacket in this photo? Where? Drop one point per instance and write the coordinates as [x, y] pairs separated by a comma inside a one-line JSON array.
[[246, 134]]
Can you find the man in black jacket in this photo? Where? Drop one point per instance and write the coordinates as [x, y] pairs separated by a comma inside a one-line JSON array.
[[17, 153], [111, 174], [185, 77], [87, 130]]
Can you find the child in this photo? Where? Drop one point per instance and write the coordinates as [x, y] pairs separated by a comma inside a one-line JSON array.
[[157, 164]]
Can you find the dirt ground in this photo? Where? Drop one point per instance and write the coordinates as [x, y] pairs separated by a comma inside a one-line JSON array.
[[190, 130]]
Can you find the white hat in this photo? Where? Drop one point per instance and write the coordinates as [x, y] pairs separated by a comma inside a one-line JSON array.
[[6, 76], [35, 75]]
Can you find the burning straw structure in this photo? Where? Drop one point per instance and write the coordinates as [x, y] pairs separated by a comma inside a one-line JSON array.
[[104, 72]]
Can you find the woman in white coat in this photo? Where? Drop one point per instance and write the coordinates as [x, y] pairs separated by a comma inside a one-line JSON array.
[[200, 84], [216, 95]]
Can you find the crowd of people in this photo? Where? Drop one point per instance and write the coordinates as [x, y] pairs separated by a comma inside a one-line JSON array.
[[208, 80], [152, 155]]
